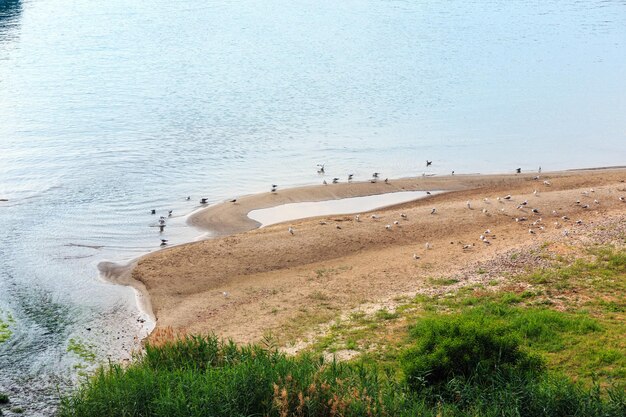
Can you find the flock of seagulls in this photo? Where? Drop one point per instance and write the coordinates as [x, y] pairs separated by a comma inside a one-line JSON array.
[[488, 236], [484, 238]]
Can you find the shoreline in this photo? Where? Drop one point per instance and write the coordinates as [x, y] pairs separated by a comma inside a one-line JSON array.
[[226, 221]]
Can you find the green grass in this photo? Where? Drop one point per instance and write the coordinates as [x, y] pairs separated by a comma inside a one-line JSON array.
[[200, 376], [545, 343]]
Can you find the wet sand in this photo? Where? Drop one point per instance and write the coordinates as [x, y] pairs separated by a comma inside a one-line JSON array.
[[248, 281]]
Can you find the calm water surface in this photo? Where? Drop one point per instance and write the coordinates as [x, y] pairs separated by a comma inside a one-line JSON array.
[[111, 108]]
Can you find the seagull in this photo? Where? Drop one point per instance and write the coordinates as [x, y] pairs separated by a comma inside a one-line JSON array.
[[452, 173], [507, 197], [388, 227], [586, 206], [482, 237], [428, 163], [335, 180], [234, 200], [153, 211], [565, 218], [596, 202], [592, 190], [427, 245], [338, 227], [468, 204], [161, 221], [531, 231], [290, 230], [161, 228], [622, 199], [322, 222], [357, 218], [520, 219], [374, 216], [203, 200], [486, 242], [518, 170], [548, 183], [535, 193], [433, 211], [539, 170], [565, 232], [577, 201], [321, 168], [274, 187], [415, 256], [396, 222], [554, 213], [386, 180], [225, 294], [403, 215], [375, 174], [428, 193], [466, 247], [486, 200], [188, 198], [523, 203], [164, 242], [488, 231], [169, 213], [579, 222], [536, 211], [350, 177]]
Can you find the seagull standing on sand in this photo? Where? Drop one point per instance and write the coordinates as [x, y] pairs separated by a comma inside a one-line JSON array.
[[290, 230], [388, 227], [415, 256], [433, 211], [357, 218], [468, 204], [427, 245]]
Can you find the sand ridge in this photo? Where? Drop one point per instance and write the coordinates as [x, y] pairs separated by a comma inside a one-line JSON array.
[[272, 278]]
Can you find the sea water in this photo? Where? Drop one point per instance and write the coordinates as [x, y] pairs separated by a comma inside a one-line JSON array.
[[109, 109]]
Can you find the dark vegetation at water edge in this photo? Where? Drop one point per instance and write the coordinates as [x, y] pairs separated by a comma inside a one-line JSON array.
[[550, 347]]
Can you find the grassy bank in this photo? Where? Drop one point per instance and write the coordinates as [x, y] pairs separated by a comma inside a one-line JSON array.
[[548, 342]]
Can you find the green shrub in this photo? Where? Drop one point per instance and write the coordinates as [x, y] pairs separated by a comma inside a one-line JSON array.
[[461, 346], [4, 399]]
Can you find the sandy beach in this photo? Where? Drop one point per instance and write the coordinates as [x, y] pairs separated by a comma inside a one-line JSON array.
[[247, 281]]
